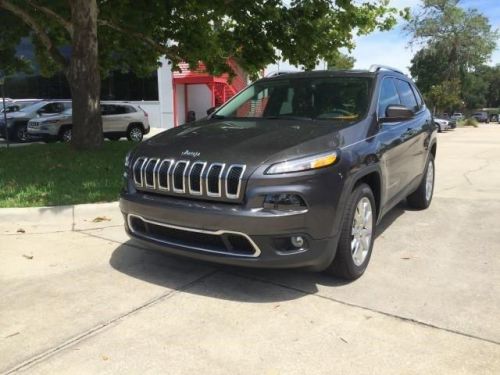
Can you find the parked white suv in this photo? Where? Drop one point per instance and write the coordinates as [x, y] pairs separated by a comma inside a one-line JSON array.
[[118, 120]]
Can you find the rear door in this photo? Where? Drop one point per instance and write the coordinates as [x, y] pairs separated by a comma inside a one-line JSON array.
[[392, 146], [417, 129], [116, 118]]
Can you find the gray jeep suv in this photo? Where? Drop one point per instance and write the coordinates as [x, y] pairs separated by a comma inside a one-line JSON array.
[[294, 171]]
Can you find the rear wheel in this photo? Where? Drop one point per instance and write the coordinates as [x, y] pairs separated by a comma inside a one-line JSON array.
[[422, 197], [357, 235], [134, 133]]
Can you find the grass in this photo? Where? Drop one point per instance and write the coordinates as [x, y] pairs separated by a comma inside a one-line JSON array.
[[55, 174]]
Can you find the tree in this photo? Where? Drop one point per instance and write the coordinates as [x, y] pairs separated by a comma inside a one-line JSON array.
[[132, 35], [456, 43], [340, 61], [461, 39], [444, 96]]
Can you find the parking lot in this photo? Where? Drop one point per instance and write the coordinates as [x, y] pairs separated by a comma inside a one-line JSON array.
[[77, 296]]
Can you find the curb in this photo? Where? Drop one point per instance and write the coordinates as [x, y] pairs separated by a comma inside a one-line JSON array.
[[60, 218]]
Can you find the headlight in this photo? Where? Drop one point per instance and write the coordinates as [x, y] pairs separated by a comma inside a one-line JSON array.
[[304, 164], [50, 122]]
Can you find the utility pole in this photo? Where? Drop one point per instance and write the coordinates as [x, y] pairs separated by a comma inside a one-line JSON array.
[[2, 83]]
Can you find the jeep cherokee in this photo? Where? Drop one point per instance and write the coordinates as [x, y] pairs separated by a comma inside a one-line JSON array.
[[294, 171]]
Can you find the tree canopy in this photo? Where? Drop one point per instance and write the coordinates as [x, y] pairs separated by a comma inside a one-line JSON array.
[[133, 35]]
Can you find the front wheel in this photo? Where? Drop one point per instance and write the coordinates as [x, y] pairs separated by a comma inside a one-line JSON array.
[[422, 197], [438, 128], [66, 135], [21, 134], [357, 235]]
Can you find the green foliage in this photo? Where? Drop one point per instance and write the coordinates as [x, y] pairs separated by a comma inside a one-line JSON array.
[[134, 34], [61, 175], [444, 95], [340, 61], [470, 121]]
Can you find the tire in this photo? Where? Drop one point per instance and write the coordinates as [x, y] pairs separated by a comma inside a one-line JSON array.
[[113, 137], [357, 235], [422, 197], [21, 133], [66, 135], [134, 133], [438, 127]]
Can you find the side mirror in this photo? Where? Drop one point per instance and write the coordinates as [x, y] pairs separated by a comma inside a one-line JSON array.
[[397, 113], [211, 110]]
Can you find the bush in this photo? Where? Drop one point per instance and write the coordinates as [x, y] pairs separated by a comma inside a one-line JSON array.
[[471, 121]]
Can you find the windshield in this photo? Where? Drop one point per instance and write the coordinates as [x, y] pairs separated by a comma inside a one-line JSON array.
[[33, 107], [327, 98]]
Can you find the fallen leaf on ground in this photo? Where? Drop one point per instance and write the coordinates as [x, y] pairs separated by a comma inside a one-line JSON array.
[[28, 256], [406, 258], [12, 335], [21, 230], [104, 358], [344, 340], [98, 219]]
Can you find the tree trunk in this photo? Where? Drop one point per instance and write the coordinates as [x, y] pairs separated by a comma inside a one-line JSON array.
[[84, 77]]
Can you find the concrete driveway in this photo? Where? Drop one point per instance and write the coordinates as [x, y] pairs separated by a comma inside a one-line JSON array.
[[78, 297]]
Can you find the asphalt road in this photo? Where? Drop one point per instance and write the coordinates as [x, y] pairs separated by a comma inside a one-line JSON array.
[[78, 297]]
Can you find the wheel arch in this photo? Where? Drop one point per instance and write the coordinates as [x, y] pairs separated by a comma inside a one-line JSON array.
[[373, 179], [136, 123], [64, 127]]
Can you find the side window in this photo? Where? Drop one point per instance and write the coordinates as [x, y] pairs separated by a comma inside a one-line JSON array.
[[388, 96], [420, 100], [406, 94], [129, 109], [105, 110], [119, 110]]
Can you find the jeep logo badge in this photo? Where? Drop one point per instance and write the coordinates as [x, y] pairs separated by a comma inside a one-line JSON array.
[[193, 154]]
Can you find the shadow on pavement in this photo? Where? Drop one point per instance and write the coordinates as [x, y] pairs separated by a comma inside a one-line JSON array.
[[161, 269]]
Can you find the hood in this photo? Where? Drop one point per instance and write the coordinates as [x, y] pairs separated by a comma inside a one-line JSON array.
[[17, 114], [250, 142], [50, 118]]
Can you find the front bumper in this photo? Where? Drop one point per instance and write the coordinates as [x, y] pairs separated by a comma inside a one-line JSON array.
[[266, 230]]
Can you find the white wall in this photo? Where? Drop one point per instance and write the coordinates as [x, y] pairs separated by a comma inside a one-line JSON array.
[[165, 95], [199, 100], [180, 109], [153, 110]]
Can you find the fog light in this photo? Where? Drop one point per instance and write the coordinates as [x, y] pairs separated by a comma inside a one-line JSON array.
[[284, 201], [297, 241]]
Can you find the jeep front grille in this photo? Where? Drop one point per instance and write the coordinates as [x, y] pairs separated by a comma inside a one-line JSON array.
[[199, 178]]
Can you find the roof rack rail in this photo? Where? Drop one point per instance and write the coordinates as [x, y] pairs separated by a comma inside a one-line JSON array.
[[278, 73], [376, 68]]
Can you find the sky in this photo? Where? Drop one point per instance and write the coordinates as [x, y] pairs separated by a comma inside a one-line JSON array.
[[391, 47]]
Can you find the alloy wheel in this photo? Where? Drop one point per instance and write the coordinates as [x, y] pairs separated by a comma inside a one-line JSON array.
[[362, 231], [136, 134]]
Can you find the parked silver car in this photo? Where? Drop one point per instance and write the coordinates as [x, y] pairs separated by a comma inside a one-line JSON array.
[[16, 126], [441, 124], [118, 120]]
